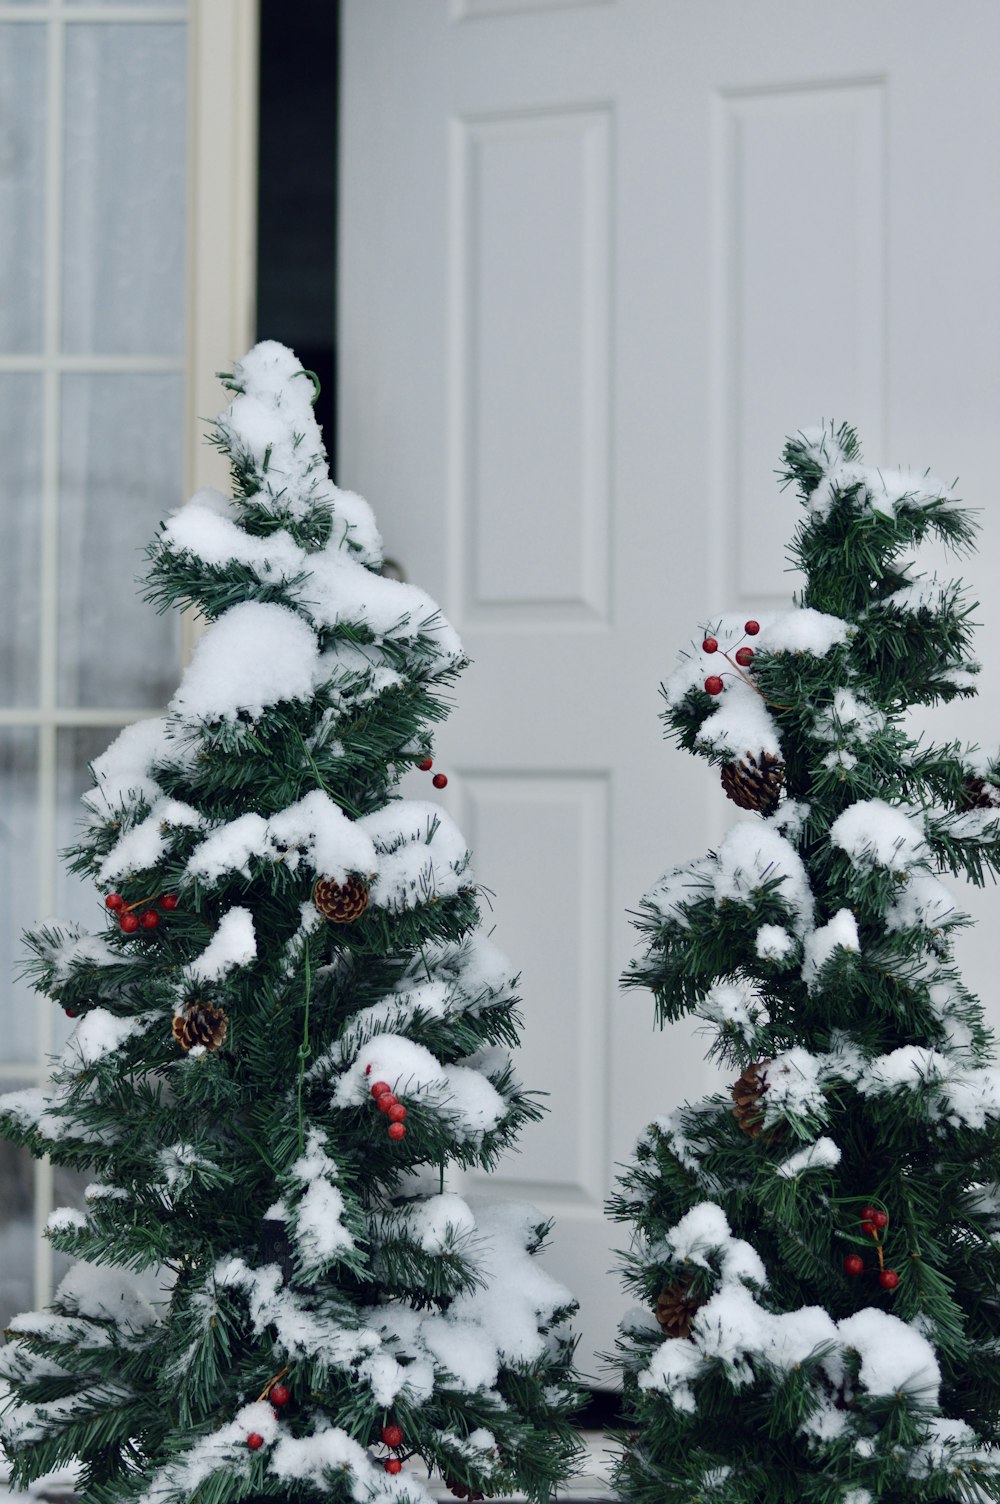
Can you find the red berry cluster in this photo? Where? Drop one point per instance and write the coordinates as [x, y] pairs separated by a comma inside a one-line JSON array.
[[392, 1435], [279, 1394], [440, 780], [743, 656], [874, 1222], [129, 922], [386, 1101]]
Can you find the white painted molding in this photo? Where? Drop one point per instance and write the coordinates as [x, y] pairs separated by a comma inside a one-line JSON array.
[[222, 189]]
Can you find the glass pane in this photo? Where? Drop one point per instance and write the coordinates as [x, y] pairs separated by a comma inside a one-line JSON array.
[[123, 195], [18, 888], [75, 897], [17, 1226], [120, 473], [22, 185], [67, 1190], [20, 512]]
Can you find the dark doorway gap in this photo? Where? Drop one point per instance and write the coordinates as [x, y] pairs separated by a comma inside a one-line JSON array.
[[297, 190]]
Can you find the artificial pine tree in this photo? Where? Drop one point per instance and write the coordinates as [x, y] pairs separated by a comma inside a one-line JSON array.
[[817, 1250], [288, 1026]]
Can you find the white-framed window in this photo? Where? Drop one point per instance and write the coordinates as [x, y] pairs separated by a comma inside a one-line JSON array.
[[126, 257]]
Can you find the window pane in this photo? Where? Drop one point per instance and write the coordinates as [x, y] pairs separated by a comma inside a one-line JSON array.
[[67, 1190], [120, 473], [75, 897], [22, 185], [123, 235], [21, 447], [17, 1227], [18, 888]]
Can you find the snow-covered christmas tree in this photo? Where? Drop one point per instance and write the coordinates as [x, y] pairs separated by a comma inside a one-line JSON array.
[[817, 1250], [288, 1026]]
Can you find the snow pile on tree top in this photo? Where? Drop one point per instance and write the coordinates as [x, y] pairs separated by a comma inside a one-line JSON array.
[[329, 586], [270, 426], [866, 488]]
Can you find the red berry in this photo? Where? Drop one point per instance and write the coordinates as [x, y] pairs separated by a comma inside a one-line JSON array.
[[868, 1227], [169, 902], [397, 1131], [888, 1279], [713, 685], [380, 1087], [744, 656], [868, 1214], [392, 1436], [280, 1394], [881, 1219], [115, 902], [397, 1112], [69, 1013], [394, 1465], [150, 919], [129, 923], [426, 765], [368, 1070], [710, 645], [440, 780], [386, 1101], [853, 1264], [751, 627], [255, 1441]]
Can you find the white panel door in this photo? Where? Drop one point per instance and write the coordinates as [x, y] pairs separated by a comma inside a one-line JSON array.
[[597, 259]]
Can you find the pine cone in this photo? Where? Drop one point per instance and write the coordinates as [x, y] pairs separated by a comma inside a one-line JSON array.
[[978, 793], [461, 1492], [200, 1023], [341, 903], [755, 782], [749, 1110], [675, 1310]]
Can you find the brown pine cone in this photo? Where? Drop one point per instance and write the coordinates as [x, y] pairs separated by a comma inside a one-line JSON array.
[[675, 1310], [200, 1023], [755, 782], [979, 793], [341, 903], [747, 1093]]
